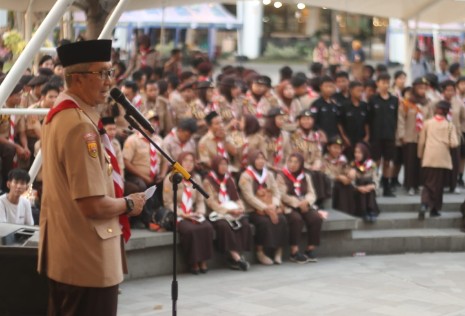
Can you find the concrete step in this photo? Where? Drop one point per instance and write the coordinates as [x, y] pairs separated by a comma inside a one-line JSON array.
[[403, 203], [389, 241], [406, 220]]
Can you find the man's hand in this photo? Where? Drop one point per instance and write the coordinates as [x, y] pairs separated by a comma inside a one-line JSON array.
[[139, 202]]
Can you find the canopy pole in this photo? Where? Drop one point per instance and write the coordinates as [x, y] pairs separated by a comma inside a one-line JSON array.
[[32, 47], [113, 19], [408, 56], [28, 22], [436, 47], [162, 27]]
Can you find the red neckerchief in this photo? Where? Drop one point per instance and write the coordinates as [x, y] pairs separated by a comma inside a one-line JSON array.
[[337, 161], [439, 118], [296, 181], [278, 154], [260, 179], [66, 104]]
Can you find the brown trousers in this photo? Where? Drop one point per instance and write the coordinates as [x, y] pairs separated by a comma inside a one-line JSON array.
[[267, 234], [296, 221], [412, 166], [70, 300], [433, 187]]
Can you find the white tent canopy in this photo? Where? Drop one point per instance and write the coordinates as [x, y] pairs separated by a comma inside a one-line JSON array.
[[432, 11]]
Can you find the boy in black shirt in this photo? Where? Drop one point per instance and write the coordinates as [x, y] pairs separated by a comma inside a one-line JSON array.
[[342, 85], [325, 110], [353, 120], [382, 119]]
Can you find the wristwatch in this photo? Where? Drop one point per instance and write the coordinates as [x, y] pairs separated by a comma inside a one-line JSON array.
[[129, 205]]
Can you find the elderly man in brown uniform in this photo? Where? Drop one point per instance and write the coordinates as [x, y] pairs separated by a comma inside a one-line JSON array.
[[81, 222]]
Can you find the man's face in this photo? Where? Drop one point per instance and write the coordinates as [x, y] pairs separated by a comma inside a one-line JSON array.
[[461, 87], [420, 90], [300, 90], [417, 55], [37, 90], [58, 70], [49, 99], [327, 89], [383, 85], [258, 89], [128, 93], [93, 87], [17, 187], [111, 130], [48, 64], [342, 84], [357, 92], [151, 90], [443, 65], [217, 127], [183, 136], [449, 92], [188, 94]]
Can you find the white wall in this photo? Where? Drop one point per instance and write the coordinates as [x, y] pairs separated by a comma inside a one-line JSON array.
[[3, 18]]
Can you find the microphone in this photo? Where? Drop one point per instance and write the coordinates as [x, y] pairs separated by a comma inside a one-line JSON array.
[[119, 97]]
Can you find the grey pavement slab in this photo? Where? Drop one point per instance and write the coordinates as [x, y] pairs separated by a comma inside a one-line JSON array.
[[400, 285]]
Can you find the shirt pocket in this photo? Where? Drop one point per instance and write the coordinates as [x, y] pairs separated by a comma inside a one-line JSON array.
[[108, 230]]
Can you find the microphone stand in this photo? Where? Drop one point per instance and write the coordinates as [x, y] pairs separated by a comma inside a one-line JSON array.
[[179, 173]]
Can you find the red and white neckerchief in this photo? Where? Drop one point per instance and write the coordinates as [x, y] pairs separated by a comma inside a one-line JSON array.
[[220, 149], [278, 153], [143, 57], [297, 182], [419, 119], [245, 152], [11, 137], [338, 161], [223, 193], [154, 166], [261, 179], [258, 113], [439, 118], [118, 183], [186, 199], [365, 166], [137, 101]]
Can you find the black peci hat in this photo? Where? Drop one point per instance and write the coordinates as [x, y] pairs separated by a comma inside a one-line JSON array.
[[275, 112], [420, 80], [84, 52], [204, 85], [444, 105], [38, 80], [210, 116], [335, 140], [306, 113]]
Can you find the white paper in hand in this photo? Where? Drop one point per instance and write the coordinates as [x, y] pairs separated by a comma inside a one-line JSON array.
[[150, 191]]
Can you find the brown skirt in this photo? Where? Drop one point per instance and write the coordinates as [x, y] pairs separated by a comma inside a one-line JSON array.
[[343, 197], [228, 239], [453, 175], [412, 166], [196, 240], [267, 234], [433, 187], [365, 203], [296, 221]]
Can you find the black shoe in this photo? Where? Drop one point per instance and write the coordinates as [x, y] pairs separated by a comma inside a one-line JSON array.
[[244, 265], [387, 192], [434, 213], [203, 271], [373, 217], [367, 218], [194, 271], [298, 258], [422, 212], [311, 256], [234, 265], [395, 183]]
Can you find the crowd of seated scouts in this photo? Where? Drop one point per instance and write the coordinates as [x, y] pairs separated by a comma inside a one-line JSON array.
[[275, 156]]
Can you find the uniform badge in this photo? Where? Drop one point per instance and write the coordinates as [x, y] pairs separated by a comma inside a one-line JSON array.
[[91, 141]]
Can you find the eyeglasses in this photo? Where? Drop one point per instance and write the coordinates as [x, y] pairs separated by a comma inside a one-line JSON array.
[[104, 74]]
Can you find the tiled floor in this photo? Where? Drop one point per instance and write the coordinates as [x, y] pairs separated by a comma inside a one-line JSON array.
[[400, 285]]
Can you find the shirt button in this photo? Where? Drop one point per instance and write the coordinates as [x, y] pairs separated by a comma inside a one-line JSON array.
[[110, 230]]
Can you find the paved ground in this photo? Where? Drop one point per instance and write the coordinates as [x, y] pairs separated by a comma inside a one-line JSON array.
[[400, 285]]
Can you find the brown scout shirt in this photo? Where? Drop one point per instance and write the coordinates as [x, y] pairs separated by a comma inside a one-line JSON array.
[[272, 149], [406, 121], [436, 139], [137, 150], [292, 201], [213, 202], [251, 201], [173, 147], [75, 249], [208, 148], [20, 125], [198, 200]]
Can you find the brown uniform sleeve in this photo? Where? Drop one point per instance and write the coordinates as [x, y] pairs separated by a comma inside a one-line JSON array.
[[84, 168], [311, 195], [129, 149], [271, 182], [199, 200], [167, 194], [422, 140], [212, 202]]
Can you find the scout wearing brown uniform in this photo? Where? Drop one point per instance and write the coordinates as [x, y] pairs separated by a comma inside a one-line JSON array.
[[303, 98], [309, 142], [455, 116], [298, 198], [436, 138], [36, 84], [336, 167], [262, 200], [196, 235], [278, 145], [215, 142], [81, 248], [411, 115]]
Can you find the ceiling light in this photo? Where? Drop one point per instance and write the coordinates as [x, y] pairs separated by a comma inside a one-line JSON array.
[[278, 5], [300, 6], [266, 2]]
